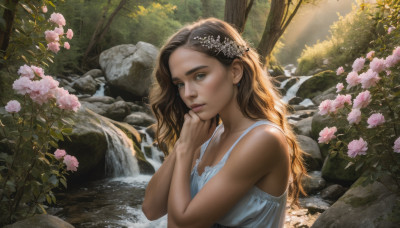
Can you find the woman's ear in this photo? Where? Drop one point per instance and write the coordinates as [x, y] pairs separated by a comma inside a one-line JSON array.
[[236, 71]]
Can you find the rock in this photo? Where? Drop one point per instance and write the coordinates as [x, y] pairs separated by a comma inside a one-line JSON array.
[[41, 221], [290, 83], [95, 73], [333, 192], [101, 99], [85, 85], [97, 107], [305, 113], [118, 110], [372, 205], [151, 130], [313, 183], [317, 84], [137, 108], [295, 100], [333, 170], [329, 94], [314, 204], [139, 119], [314, 160], [298, 107], [276, 70], [303, 127], [128, 68]]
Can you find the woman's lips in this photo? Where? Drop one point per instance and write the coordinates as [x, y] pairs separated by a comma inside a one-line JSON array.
[[197, 108]]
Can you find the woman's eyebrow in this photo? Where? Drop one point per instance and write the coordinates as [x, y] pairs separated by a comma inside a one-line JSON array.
[[190, 71]]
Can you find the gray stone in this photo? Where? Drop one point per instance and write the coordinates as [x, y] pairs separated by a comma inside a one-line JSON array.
[[118, 110], [41, 221], [303, 127], [329, 94], [95, 73], [140, 119], [370, 206], [313, 160], [313, 183], [128, 67], [305, 113], [333, 192], [85, 85], [333, 170], [101, 99], [317, 84], [314, 204], [295, 100], [97, 107]]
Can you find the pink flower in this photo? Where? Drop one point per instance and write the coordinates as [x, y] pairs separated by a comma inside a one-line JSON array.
[[388, 72], [58, 19], [13, 106], [370, 54], [43, 90], [339, 71], [391, 61], [375, 120], [53, 46], [358, 64], [26, 71], [70, 33], [67, 101], [71, 162], [354, 116], [38, 71], [341, 100], [396, 52], [339, 87], [22, 85], [66, 45], [326, 107], [390, 29], [44, 9], [369, 78], [357, 147], [352, 79], [51, 36], [327, 134], [59, 30], [396, 146], [377, 65], [362, 100], [59, 154]]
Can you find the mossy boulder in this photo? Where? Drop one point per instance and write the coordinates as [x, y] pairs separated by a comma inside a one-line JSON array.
[[317, 84], [364, 205], [333, 170]]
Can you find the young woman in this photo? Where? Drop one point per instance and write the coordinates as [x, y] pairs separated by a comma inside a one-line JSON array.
[[235, 174]]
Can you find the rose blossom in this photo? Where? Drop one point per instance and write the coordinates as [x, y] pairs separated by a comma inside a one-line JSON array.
[[354, 116], [339, 87], [391, 60], [358, 64], [53, 46], [327, 134], [357, 147], [396, 147], [57, 18], [375, 120], [44, 9], [37, 70], [326, 107], [70, 33], [377, 65], [352, 79], [66, 45], [51, 36], [59, 154], [341, 100], [13, 106], [26, 71], [396, 52], [22, 85], [339, 71], [390, 29], [370, 54], [59, 30], [362, 100], [71, 162], [369, 78], [66, 100]]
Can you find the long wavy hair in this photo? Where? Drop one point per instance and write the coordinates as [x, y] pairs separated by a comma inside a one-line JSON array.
[[257, 97]]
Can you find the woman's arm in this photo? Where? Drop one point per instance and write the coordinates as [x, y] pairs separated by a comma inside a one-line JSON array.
[[253, 157]]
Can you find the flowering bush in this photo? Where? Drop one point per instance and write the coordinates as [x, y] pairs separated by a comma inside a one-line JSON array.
[[371, 139], [34, 121]]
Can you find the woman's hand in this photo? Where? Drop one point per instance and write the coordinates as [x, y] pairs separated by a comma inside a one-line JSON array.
[[195, 131]]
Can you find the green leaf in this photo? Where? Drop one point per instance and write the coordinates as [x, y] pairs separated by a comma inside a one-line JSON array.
[[63, 182], [53, 143], [44, 160], [42, 208], [348, 165], [48, 199], [67, 130], [51, 3]]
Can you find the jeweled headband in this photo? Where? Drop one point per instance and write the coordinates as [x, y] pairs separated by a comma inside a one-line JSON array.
[[229, 47]]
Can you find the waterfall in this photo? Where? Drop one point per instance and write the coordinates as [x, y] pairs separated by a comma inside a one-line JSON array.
[[100, 91], [120, 156], [148, 148], [293, 90]]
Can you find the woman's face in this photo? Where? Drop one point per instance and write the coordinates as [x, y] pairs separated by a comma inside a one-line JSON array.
[[204, 84]]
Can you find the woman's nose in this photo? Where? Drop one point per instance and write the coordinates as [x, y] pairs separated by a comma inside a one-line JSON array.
[[190, 90]]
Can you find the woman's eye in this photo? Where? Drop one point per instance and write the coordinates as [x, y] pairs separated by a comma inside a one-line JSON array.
[[179, 85], [200, 76]]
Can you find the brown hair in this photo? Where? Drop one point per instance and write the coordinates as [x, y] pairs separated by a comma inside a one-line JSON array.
[[257, 97]]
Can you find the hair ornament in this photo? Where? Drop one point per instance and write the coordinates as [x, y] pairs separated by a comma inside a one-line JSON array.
[[230, 48]]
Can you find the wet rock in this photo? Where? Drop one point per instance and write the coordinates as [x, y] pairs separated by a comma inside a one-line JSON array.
[[97, 107], [333, 192], [329, 94], [41, 221], [295, 100], [101, 99], [85, 85], [313, 183], [314, 204], [314, 160], [333, 170], [317, 84], [95, 73], [303, 127], [305, 113], [118, 110], [372, 205], [139, 119]]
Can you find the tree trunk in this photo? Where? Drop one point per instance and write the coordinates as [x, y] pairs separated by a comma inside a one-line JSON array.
[[8, 17], [236, 13]]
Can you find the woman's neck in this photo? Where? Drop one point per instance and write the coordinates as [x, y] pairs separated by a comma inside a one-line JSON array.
[[234, 120]]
